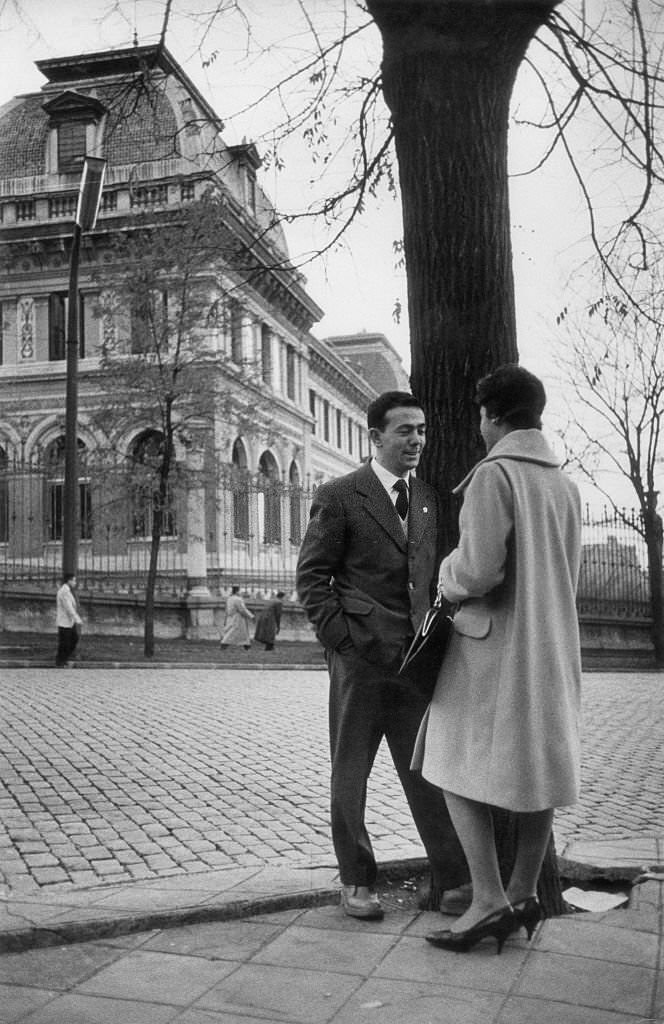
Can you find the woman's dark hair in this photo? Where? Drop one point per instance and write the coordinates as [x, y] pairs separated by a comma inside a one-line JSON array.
[[513, 394], [379, 408]]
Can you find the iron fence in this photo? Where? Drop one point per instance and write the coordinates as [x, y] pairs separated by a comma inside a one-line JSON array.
[[613, 582], [252, 527]]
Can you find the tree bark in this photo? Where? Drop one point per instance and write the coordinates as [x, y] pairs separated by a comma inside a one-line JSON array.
[[447, 73]]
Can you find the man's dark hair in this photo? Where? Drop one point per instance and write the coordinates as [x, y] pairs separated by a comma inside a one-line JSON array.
[[67, 576], [513, 394], [379, 408]]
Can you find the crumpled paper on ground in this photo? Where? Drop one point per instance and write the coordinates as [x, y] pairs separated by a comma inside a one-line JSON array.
[[594, 901]]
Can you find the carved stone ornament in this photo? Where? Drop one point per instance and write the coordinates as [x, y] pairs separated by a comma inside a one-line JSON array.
[[26, 327]]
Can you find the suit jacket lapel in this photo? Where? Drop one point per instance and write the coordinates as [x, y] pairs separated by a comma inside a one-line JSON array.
[[378, 505]]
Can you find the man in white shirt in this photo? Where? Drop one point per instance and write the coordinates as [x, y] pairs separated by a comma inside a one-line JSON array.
[[67, 620], [366, 577]]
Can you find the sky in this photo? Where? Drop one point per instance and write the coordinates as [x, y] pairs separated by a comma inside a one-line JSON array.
[[358, 283]]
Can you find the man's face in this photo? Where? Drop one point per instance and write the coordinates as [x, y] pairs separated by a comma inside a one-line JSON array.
[[399, 445]]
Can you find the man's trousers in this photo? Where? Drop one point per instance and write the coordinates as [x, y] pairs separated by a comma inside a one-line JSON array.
[[368, 702]]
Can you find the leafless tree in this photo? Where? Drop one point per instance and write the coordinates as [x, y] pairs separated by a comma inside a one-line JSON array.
[[612, 358], [166, 298]]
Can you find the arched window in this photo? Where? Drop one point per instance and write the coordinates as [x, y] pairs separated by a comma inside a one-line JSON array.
[[270, 487], [54, 462], [4, 496], [295, 504], [145, 459], [240, 484]]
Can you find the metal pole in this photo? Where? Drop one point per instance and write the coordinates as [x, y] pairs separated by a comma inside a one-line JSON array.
[[70, 502]]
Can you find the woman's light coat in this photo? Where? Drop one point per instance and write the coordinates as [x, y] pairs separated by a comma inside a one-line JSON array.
[[503, 724]]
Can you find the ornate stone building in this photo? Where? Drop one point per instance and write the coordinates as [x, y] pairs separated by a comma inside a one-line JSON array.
[[164, 147]]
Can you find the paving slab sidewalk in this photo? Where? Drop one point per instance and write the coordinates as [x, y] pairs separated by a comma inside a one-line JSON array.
[[311, 965]]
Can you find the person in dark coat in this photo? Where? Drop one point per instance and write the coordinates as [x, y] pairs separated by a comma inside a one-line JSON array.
[[268, 622], [366, 577]]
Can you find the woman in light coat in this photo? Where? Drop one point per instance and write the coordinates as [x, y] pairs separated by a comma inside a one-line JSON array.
[[502, 728], [238, 617]]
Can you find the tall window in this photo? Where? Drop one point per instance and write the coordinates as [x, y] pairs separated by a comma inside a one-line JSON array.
[[290, 371], [270, 486], [312, 409], [71, 146], [240, 483], [145, 458], [58, 311], [149, 321], [236, 333], [339, 430], [350, 437], [295, 504], [4, 497], [266, 354], [326, 420], [55, 491]]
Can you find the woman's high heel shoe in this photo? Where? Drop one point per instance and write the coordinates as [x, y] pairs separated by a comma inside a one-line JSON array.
[[528, 914], [498, 925]]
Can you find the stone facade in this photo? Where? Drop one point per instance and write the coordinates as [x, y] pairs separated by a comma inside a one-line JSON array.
[[164, 146]]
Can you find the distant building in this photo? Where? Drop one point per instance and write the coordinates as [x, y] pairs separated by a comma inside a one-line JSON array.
[[374, 358], [163, 145]]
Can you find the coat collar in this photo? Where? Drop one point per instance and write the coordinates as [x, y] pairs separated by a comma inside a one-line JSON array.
[[520, 445]]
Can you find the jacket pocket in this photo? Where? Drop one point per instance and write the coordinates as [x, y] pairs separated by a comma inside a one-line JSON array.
[[473, 622]]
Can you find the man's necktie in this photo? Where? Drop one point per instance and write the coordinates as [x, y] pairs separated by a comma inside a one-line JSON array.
[[401, 504]]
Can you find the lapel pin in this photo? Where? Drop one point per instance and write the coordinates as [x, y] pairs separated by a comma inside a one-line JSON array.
[[425, 509]]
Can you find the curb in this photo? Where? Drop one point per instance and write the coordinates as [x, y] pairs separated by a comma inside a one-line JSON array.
[[20, 940], [39, 936], [67, 932]]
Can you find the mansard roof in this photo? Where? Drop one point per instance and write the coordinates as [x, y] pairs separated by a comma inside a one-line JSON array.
[[154, 113]]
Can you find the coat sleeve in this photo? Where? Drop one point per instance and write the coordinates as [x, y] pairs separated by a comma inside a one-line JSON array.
[[486, 522], [321, 556]]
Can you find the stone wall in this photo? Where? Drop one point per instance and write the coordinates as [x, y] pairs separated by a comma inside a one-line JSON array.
[[191, 617]]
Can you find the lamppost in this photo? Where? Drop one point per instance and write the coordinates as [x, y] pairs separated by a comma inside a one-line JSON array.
[[87, 207]]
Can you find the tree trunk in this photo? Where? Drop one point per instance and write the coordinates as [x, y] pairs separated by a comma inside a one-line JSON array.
[[448, 71], [150, 583]]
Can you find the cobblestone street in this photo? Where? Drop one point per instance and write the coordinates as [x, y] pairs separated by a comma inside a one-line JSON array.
[[114, 775]]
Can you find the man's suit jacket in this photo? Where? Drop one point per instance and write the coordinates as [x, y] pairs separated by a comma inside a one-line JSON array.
[[359, 578]]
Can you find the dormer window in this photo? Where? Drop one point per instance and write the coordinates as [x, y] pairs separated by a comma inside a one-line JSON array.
[[72, 116], [72, 141], [248, 161]]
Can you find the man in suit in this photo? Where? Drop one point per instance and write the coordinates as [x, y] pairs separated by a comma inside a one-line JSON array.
[[366, 576]]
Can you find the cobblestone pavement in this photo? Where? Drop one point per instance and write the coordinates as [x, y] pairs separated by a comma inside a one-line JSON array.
[[114, 775]]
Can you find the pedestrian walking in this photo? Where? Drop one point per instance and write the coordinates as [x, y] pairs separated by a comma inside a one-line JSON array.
[[502, 729], [366, 577], [67, 620], [236, 624], [268, 621]]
